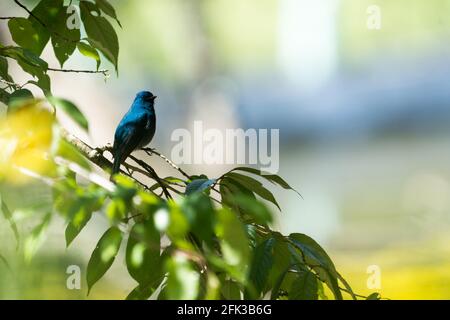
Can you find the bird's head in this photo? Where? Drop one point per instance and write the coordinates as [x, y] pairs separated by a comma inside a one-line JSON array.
[[146, 96]]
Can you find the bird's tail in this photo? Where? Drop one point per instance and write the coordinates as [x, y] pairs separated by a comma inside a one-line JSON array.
[[116, 167]]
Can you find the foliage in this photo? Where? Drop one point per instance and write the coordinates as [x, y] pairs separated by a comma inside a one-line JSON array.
[[184, 238]]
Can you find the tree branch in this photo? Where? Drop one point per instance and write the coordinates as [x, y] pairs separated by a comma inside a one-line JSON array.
[[150, 151], [95, 155], [155, 176], [102, 71], [10, 84]]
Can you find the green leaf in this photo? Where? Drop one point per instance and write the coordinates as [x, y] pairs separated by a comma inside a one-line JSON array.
[[230, 290], [282, 263], [70, 109], [253, 185], [116, 210], [318, 260], [321, 291], [4, 70], [18, 96], [229, 190], [89, 52], [183, 281], [4, 96], [43, 83], [30, 63], [25, 57], [257, 210], [269, 177], [76, 224], [199, 212], [108, 9], [261, 265], [103, 256], [46, 11], [304, 287], [68, 151], [36, 238], [233, 242], [101, 34], [141, 293], [24, 34], [9, 217], [199, 185], [65, 41], [178, 224], [143, 254]]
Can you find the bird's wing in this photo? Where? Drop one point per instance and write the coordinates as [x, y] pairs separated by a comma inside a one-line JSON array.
[[129, 135]]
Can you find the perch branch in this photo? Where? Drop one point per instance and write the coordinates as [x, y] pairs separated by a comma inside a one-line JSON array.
[[95, 155]]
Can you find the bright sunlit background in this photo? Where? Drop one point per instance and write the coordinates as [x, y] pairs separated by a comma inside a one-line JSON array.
[[363, 116]]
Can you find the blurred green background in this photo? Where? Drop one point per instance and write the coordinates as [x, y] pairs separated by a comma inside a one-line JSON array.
[[363, 116]]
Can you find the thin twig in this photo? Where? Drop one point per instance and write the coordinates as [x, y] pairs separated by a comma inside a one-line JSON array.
[[10, 84], [103, 71], [155, 176], [7, 18], [150, 151]]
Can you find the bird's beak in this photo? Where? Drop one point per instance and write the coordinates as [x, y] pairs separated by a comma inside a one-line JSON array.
[[154, 97]]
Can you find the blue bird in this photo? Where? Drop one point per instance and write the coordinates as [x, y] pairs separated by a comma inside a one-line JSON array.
[[135, 130]]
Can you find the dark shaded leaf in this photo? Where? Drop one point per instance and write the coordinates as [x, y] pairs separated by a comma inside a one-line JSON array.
[[25, 57], [261, 265], [18, 97], [257, 210], [30, 63], [199, 212], [304, 287], [24, 34], [142, 293], [101, 34], [108, 9], [253, 185], [46, 11], [4, 96], [65, 41], [276, 179], [230, 290], [4, 70], [314, 256], [374, 296]]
